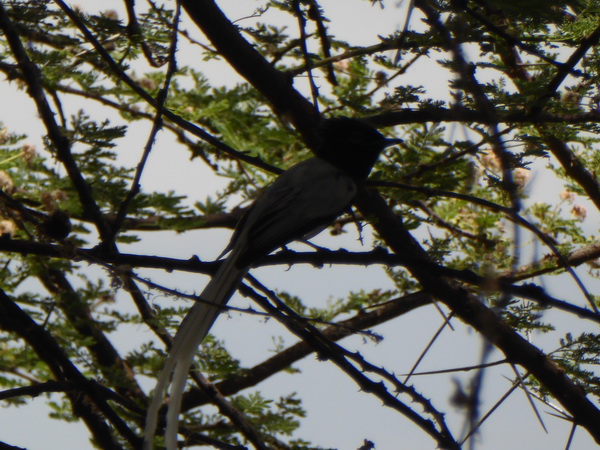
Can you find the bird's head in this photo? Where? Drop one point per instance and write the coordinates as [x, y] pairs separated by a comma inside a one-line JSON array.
[[352, 145]]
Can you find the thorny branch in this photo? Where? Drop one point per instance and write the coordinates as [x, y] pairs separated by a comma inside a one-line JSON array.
[[14, 319], [329, 350], [323, 257]]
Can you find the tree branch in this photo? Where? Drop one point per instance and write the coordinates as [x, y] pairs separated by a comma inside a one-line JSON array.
[[105, 355], [574, 168], [242, 56], [69, 386], [327, 349], [472, 311], [14, 319], [362, 321], [321, 258], [33, 78], [188, 126]]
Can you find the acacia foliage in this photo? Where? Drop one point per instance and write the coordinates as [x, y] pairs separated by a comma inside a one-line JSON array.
[[450, 214]]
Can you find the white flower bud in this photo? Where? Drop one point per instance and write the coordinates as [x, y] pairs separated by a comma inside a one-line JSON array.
[[6, 182], [7, 227], [520, 176], [567, 195], [579, 212], [28, 152], [491, 162]]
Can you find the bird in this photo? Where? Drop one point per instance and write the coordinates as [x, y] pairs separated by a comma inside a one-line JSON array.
[[302, 201]]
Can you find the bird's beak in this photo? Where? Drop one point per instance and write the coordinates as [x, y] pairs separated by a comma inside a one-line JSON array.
[[392, 141]]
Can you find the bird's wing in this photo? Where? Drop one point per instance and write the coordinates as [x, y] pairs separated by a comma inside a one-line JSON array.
[[307, 196]]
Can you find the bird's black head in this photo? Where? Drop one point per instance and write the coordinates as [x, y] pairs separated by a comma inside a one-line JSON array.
[[352, 145]]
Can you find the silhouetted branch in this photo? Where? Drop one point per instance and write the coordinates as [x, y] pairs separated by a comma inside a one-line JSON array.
[[327, 349], [4, 446], [285, 358], [69, 386], [322, 257], [512, 215], [157, 124], [564, 70], [61, 143], [88, 407], [469, 84], [472, 311], [226, 408], [573, 166], [104, 354], [188, 126]]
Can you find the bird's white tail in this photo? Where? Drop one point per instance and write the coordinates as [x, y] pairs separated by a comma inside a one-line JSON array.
[[190, 335]]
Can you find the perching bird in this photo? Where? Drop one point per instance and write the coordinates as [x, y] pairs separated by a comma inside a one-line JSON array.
[[305, 198]]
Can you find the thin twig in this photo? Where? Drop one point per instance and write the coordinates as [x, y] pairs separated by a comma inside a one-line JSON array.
[[489, 413], [427, 347], [314, 90], [33, 77], [459, 369], [340, 356], [510, 214], [521, 379], [188, 126], [314, 13], [156, 126]]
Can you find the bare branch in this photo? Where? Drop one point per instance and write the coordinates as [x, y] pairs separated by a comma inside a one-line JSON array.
[[14, 319], [471, 310], [290, 355]]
